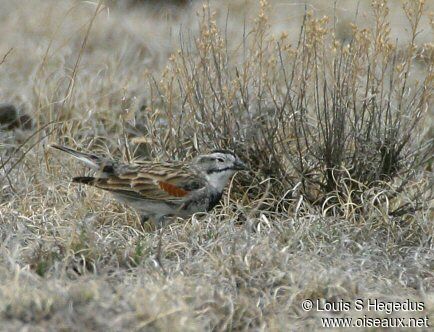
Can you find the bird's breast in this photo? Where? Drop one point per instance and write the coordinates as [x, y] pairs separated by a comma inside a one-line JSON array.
[[214, 198]]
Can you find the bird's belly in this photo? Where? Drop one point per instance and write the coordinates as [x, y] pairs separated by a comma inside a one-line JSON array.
[[150, 207], [196, 203]]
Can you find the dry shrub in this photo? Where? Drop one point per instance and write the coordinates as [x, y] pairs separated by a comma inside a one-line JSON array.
[[332, 116]]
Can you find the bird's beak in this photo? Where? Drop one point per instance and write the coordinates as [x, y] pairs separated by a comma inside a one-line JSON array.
[[240, 166]]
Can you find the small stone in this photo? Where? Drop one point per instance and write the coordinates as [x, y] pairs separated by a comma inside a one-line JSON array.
[[8, 114], [11, 119], [24, 122]]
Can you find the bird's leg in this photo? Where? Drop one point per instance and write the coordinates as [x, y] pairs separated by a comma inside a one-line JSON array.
[[144, 219], [159, 225], [158, 222]]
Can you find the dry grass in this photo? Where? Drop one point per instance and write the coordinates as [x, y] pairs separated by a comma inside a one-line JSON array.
[[333, 114]]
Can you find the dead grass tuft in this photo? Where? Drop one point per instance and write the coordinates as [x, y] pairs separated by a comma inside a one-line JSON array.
[[330, 109]]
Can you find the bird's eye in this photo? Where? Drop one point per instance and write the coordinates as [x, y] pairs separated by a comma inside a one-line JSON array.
[[220, 160]]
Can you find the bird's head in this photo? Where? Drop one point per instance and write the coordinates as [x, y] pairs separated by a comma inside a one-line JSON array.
[[218, 167]]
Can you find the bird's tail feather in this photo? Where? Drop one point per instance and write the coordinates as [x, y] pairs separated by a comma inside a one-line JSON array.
[[84, 180], [89, 159]]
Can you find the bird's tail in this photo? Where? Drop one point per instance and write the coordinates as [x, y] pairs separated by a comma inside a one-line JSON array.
[[89, 180], [90, 160]]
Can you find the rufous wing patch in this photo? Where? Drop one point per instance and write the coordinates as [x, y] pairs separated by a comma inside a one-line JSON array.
[[172, 189]]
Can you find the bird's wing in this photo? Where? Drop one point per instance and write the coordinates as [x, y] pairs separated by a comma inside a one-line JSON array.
[[154, 181]]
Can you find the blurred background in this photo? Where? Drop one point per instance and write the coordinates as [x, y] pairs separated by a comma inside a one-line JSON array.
[[129, 38]]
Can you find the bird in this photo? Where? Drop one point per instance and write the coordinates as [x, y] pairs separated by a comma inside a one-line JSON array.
[[157, 190]]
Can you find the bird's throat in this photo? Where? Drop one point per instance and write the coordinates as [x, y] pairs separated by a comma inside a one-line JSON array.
[[219, 180]]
